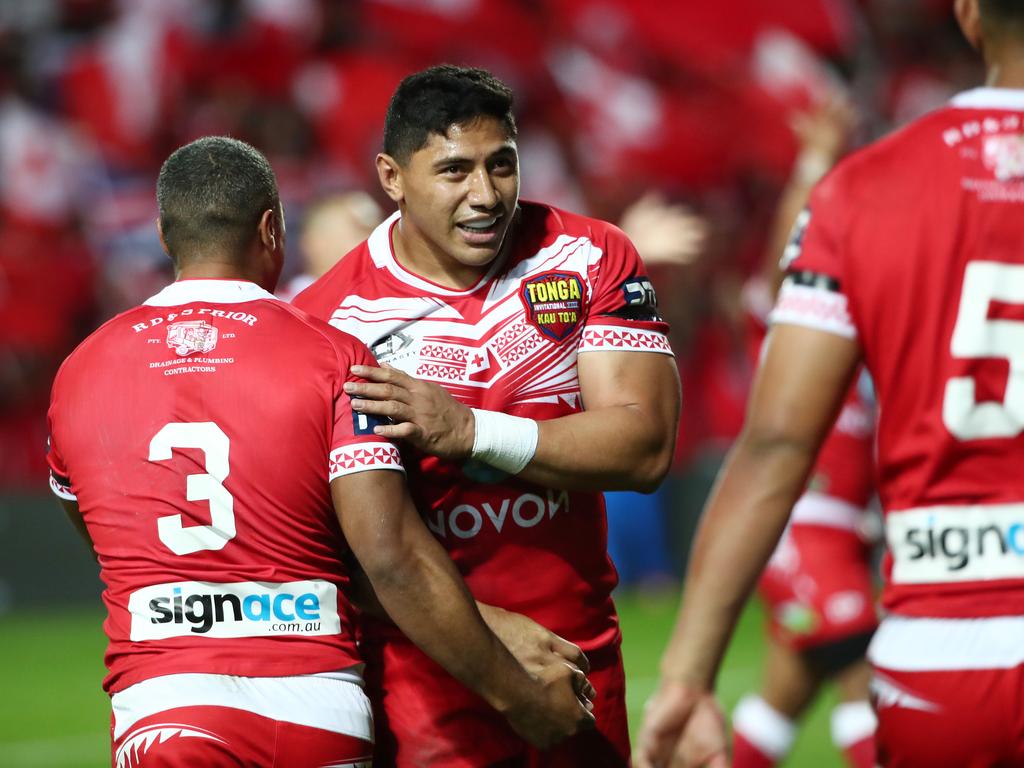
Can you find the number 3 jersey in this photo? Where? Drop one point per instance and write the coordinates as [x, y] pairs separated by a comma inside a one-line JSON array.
[[913, 247], [568, 286], [199, 433]]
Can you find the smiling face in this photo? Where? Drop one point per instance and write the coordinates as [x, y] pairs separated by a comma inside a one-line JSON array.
[[458, 195]]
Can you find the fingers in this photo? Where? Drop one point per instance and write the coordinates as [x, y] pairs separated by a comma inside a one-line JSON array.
[[383, 375], [379, 392], [570, 652], [584, 689]]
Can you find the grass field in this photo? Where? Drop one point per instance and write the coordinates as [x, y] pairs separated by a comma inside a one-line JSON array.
[[54, 714]]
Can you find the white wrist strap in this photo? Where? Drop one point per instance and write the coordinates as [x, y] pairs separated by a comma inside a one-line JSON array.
[[502, 441]]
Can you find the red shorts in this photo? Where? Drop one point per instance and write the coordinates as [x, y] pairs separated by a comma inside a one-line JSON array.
[[223, 737], [818, 587], [950, 719], [425, 718]]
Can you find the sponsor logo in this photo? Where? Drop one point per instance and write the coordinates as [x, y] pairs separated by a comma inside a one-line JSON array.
[[392, 347], [191, 337], [1004, 156], [467, 521], [943, 544], [240, 609], [554, 303], [639, 292], [153, 322]]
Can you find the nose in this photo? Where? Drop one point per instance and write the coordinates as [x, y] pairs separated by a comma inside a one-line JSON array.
[[482, 193]]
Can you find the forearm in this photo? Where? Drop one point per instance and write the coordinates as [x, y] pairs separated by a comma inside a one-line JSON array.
[[421, 591], [614, 448], [742, 524]]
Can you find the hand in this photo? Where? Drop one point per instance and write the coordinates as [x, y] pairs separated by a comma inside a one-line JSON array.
[[683, 727], [664, 233], [824, 130], [556, 710], [422, 413], [534, 647]]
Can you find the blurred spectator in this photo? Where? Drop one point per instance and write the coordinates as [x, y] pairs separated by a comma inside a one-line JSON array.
[[331, 227]]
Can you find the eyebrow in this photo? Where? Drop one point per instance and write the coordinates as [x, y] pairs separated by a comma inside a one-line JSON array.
[[505, 151]]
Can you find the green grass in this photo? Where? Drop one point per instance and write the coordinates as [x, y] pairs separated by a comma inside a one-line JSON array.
[[646, 623], [54, 714]]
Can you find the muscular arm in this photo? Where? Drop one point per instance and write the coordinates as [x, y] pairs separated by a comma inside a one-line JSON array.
[[796, 396], [624, 438], [798, 390], [418, 586]]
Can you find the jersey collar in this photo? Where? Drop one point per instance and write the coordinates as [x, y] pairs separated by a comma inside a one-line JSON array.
[[990, 98], [211, 291]]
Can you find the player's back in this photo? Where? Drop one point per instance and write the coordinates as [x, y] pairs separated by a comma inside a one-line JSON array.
[[922, 233], [199, 459]]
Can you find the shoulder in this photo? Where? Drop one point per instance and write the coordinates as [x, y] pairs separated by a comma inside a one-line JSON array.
[[549, 221], [341, 342]]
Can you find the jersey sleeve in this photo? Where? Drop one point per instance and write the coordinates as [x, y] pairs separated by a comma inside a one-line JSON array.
[[354, 446], [60, 480], [623, 314], [813, 291]]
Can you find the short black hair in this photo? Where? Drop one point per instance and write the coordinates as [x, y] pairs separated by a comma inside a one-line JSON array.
[[434, 100], [1008, 11], [212, 194]]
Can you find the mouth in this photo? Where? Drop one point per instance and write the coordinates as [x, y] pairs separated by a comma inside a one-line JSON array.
[[481, 230]]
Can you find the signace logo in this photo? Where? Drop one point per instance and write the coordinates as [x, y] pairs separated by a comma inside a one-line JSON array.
[[241, 609]]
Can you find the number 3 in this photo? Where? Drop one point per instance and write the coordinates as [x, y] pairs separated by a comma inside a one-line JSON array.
[[975, 336], [211, 440]]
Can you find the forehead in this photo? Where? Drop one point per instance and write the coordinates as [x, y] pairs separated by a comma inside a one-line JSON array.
[[481, 137]]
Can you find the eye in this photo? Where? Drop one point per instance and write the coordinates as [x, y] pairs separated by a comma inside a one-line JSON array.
[[503, 166]]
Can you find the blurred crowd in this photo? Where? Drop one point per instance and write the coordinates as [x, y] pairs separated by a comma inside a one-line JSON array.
[[678, 119]]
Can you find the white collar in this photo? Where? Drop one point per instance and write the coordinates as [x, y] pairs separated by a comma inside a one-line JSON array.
[[212, 291], [990, 98]]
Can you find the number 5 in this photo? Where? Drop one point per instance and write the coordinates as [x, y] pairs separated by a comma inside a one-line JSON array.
[[211, 440], [976, 335]]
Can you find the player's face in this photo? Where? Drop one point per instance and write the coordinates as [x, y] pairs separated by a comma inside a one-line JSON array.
[[459, 193]]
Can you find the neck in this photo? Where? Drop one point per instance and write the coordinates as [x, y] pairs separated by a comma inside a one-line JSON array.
[[428, 261], [1005, 65], [213, 269]]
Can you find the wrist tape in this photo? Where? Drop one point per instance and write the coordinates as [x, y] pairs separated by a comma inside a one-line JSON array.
[[502, 441]]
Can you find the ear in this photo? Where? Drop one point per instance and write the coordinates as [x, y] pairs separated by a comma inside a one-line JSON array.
[[271, 235], [969, 18], [163, 243], [390, 174]]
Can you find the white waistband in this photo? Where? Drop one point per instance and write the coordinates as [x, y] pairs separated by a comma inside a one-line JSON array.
[[333, 701], [821, 509], [905, 644]]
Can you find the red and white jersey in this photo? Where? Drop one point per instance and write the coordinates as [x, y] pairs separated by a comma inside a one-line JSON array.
[[912, 246], [198, 433], [570, 285]]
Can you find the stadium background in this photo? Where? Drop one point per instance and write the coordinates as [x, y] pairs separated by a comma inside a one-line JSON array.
[[615, 98]]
